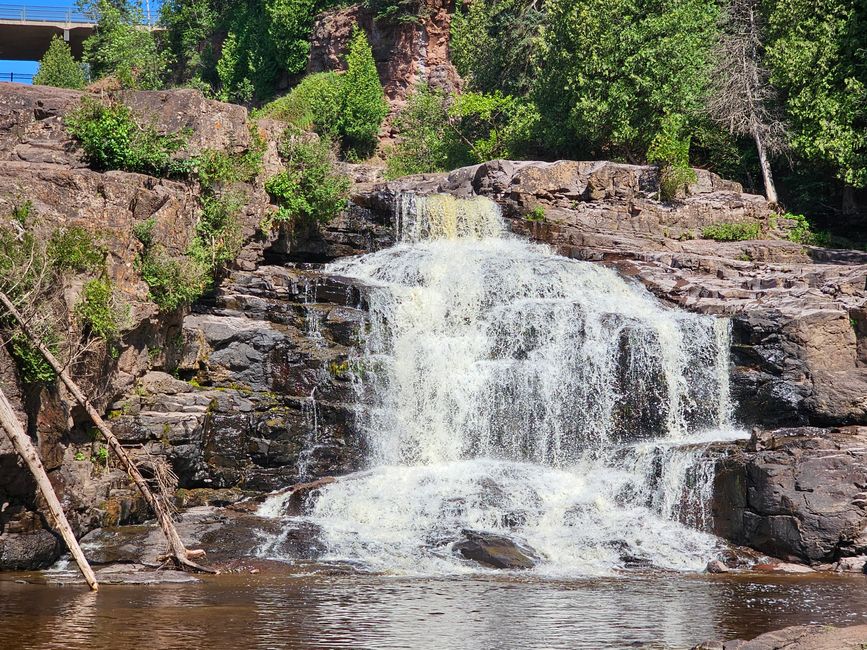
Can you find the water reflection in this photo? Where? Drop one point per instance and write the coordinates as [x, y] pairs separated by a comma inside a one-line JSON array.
[[659, 611]]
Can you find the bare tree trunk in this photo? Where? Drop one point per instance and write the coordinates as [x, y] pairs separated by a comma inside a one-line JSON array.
[[177, 551], [770, 188], [21, 442]]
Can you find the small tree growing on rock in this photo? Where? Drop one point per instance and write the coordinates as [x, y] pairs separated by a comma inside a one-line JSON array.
[[742, 97], [57, 68], [364, 105]]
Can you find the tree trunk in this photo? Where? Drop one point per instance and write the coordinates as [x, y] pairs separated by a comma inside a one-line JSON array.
[[21, 442], [770, 189], [177, 551]]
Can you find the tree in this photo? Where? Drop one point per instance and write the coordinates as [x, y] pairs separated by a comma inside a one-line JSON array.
[[610, 70], [818, 59], [121, 47], [58, 68], [742, 98], [364, 105]]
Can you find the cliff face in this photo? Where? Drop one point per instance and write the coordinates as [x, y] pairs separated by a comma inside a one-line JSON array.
[[406, 53]]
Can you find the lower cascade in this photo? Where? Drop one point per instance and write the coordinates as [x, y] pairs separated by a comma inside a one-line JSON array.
[[517, 400]]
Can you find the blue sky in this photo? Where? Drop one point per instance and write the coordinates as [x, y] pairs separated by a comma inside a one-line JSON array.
[[30, 67]]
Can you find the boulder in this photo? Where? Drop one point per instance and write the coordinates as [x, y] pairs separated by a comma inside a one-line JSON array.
[[29, 551], [497, 551], [801, 637], [796, 494]]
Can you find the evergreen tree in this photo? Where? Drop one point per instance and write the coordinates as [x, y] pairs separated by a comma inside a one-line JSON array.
[[58, 68], [364, 105]]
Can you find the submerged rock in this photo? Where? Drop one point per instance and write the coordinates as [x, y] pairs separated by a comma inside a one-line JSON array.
[[800, 637], [496, 551]]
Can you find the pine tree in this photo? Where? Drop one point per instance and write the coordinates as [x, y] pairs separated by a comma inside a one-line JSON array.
[[364, 105], [58, 68]]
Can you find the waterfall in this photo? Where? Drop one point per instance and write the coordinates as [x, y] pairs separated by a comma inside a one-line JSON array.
[[506, 389]]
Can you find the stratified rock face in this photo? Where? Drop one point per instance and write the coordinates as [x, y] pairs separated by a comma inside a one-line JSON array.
[[268, 400], [799, 494], [406, 53], [799, 325]]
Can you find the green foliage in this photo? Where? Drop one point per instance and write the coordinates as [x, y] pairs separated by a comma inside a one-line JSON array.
[[121, 48], [58, 68], [439, 132], [240, 49], [425, 141], [669, 149], [112, 139], [99, 310], [395, 11], [494, 44], [310, 189], [213, 168], [732, 231], [21, 212], [218, 234], [315, 104], [174, 282], [537, 214], [74, 248], [31, 364], [364, 106], [610, 70], [801, 232], [818, 59]]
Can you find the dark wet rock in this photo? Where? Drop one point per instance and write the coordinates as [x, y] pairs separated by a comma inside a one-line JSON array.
[[29, 551], [796, 493], [301, 496], [802, 637], [495, 551]]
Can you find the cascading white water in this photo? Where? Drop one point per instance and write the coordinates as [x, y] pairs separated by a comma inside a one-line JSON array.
[[503, 388]]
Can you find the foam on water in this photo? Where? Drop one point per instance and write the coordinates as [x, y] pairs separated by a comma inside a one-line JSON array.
[[503, 388]]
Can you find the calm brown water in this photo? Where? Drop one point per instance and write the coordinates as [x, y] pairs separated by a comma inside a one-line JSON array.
[[658, 611]]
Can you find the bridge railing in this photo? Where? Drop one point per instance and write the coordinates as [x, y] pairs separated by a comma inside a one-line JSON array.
[[43, 14], [16, 77]]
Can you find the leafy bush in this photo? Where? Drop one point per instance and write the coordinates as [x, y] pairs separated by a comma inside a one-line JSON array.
[[58, 68], [121, 48], [536, 214], [218, 233], [309, 189], [314, 104], [669, 149], [424, 144], [732, 231], [32, 365], [112, 139], [213, 167], [801, 231], [173, 281], [75, 249], [395, 11], [364, 106], [99, 310]]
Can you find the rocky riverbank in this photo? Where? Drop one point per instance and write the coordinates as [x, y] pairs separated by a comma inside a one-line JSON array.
[[249, 390]]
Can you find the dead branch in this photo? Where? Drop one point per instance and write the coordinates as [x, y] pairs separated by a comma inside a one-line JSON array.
[[177, 551], [15, 432]]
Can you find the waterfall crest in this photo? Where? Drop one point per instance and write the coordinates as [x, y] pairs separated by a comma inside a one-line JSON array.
[[504, 388]]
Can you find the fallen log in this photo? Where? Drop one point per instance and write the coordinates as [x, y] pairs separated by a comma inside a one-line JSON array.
[[177, 552], [25, 449]]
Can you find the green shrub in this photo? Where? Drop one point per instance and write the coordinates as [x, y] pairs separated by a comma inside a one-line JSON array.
[[112, 139], [58, 68], [173, 281], [213, 167], [802, 233], [364, 106], [310, 189], [21, 212], [315, 104], [395, 11], [31, 364], [669, 149], [424, 144], [732, 231], [218, 233], [74, 249], [99, 311], [536, 214]]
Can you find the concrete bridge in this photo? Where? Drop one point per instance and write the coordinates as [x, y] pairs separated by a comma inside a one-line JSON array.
[[26, 31]]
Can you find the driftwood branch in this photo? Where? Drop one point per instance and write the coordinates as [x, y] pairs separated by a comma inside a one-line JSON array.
[[178, 553], [21, 442]]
